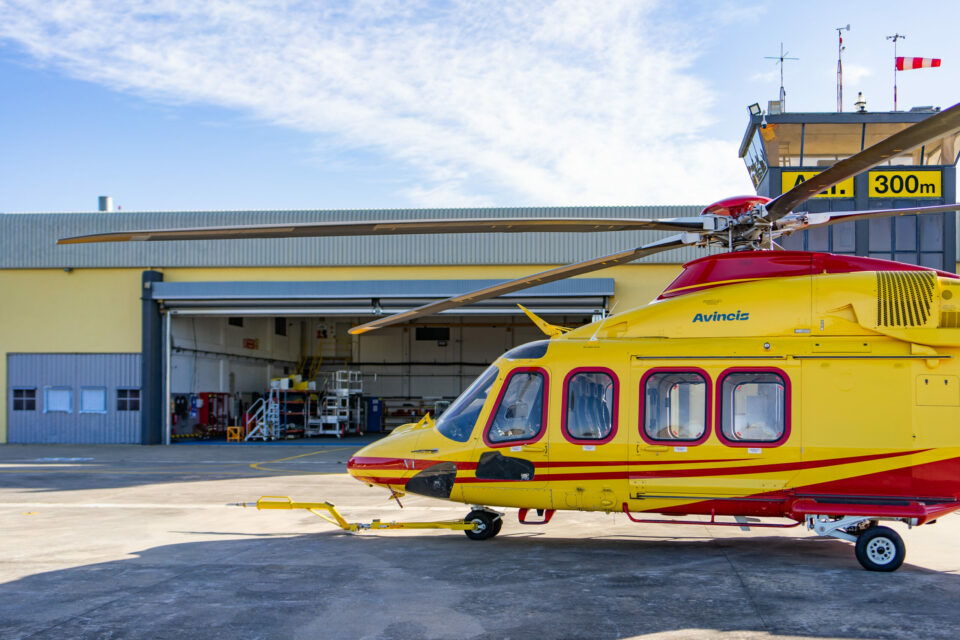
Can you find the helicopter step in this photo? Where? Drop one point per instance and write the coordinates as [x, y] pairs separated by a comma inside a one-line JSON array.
[[480, 524]]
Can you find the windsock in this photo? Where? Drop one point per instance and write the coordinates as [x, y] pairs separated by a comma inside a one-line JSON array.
[[905, 64]]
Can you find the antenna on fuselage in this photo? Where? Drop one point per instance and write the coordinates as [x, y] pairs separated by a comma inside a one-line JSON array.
[[593, 338]]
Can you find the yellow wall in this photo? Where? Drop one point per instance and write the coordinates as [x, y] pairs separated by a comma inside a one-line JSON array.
[[98, 310], [52, 311]]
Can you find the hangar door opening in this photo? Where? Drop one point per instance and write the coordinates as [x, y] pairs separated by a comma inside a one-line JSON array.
[[232, 344]]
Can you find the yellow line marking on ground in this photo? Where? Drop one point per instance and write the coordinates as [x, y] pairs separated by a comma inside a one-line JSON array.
[[229, 467], [256, 465]]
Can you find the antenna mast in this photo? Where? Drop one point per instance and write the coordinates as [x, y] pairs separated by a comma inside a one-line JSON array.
[[780, 59], [895, 37], [840, 49]]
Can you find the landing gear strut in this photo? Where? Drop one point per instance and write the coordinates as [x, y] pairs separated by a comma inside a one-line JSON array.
[[488, 524], [877, 548]]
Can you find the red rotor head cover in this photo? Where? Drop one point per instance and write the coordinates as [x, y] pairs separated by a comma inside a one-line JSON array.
[[734, 207]]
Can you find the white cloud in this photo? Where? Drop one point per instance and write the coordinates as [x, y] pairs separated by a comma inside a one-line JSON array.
[[854, 73], [566, 102]]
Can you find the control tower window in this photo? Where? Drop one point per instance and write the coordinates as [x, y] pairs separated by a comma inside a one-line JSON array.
[[756, 159]]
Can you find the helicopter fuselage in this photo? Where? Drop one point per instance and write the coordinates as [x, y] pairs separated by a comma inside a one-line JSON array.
[[833, 392]]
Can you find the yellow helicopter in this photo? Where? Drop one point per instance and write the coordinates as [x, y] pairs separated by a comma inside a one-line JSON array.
[[762, 383]]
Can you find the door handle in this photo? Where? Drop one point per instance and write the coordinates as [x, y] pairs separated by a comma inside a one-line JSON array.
[[537, 449], [652, 447]]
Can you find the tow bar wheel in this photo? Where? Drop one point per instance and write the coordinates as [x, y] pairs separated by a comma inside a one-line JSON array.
[[488, 524], [880, 549]]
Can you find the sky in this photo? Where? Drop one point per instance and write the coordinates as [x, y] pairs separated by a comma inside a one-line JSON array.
[[265, 104]]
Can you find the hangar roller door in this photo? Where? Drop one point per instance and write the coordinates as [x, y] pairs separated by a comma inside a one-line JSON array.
[[73, 398]]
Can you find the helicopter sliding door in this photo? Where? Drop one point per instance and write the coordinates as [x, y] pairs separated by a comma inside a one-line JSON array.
[[718, 432], [588, 455]]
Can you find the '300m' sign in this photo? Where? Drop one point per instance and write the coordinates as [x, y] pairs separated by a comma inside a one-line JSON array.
[[905, 184]]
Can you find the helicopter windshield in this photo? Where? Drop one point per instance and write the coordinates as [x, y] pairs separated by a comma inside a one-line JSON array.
[[458, 420]]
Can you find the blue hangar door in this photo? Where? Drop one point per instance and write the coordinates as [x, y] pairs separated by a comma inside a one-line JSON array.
[[73, 398]]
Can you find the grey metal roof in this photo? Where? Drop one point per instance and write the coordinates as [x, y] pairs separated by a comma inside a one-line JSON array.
[[27, 240], [360, 289]]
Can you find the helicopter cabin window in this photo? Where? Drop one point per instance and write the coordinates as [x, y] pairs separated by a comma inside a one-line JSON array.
[[675, 406], [753, 407], [520, 415], [458, 420], [590, 406]]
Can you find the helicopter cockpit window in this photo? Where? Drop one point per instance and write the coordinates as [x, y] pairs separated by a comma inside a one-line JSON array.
[[590, 405], [458, 420], [753, 407], [519, 416], [675, 406]]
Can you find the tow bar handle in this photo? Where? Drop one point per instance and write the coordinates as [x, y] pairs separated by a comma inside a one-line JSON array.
[[329, 512]]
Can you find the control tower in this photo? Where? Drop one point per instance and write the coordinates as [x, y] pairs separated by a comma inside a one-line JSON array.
[[782, 149]]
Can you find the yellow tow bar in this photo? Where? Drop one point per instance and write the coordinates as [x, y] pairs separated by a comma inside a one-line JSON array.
[[329, 513]]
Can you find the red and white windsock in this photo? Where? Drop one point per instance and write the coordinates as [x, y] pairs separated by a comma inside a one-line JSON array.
[[905, 64]]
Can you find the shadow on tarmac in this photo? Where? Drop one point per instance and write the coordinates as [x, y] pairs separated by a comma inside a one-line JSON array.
[[335, 585]]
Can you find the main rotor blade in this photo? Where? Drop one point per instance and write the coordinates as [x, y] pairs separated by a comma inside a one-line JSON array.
[[396, 227], [935, 126], [559, 273], [800, 221]]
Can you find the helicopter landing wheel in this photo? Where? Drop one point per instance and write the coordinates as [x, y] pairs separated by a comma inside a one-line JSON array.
[[880, 549], [489, 524]]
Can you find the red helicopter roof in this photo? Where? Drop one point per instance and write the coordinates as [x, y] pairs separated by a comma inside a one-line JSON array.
[[744, 266]]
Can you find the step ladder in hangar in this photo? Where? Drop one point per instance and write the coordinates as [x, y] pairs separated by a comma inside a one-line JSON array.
[[263, 422], [341, 411]]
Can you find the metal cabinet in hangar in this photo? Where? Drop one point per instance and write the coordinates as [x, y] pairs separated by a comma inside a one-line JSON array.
[[782, 149]]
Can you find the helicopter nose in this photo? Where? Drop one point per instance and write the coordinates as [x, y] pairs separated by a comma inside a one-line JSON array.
[[385, 462]]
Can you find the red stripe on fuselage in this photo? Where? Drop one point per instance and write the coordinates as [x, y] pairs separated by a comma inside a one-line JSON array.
[[389, 464], [633, 463], [395, 464]]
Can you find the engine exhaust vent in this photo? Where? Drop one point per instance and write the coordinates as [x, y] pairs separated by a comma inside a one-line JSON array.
[[904, 297]]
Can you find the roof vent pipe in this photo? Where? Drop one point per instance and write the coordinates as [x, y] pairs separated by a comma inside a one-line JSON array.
[[106, 203]]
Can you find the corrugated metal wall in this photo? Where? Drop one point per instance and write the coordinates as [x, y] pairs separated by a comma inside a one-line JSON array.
[[75, 371], [28, 240]]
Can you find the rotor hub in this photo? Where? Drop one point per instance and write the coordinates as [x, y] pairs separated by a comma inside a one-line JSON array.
[[734, 207]]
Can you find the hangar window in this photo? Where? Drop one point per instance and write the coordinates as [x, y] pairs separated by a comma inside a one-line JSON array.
[[235, 322], [590, 405], [279, 326], [57, 400], [93, 400], [432, 333], [128, 399], [521, 410], [458, 420], [24, 399], [675, 405], [754, 406]]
